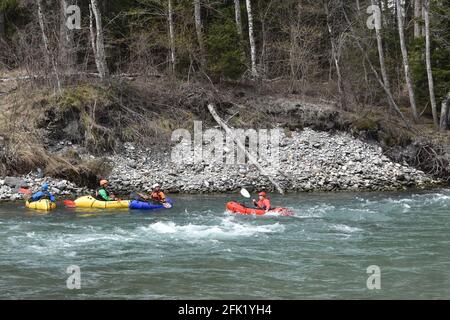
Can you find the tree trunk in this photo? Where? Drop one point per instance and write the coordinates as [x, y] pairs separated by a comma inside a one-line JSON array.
[[417, 16], [100, 57], [2, 25], [240, 145], [92, 33], [237, 14], [251, 38], [375, 72], [335, 55], [171, 36], [66, 45], [48, 57], [384, 73], [408, 78], [444, 112], [426, 8], [199, 29]]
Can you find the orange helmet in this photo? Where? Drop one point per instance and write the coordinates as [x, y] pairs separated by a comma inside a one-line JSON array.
[[103, 182], [262, 194]]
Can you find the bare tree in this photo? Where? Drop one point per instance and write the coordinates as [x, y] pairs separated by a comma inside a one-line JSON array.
[[48, 56], [251, 38], [171, 35], [199, 29], [426, 8], [335, 53], [375, 72], [417, 16], [384, 73], [408, 77], [100, 56], [2, 24], [66, 45], [237, 14], [92, 32], [444, 112]]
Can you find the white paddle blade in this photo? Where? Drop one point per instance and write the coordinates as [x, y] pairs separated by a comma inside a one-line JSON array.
[[167, 205], [245, 193]]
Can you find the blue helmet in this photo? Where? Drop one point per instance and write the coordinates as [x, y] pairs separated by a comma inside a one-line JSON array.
[[45, 186]]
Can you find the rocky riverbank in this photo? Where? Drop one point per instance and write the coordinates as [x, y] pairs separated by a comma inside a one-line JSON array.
[[308, 161]]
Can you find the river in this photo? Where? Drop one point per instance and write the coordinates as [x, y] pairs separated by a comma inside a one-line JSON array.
[[199, 251]]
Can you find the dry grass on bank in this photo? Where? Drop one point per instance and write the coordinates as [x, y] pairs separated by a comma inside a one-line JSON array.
[[100, 117]]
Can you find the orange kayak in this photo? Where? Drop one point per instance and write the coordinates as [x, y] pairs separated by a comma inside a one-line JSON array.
[[239, 208]]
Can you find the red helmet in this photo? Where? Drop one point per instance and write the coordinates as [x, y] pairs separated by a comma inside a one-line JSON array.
[[262, 194]]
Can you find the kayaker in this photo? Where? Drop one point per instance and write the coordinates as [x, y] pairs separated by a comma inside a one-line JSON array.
[[263, 203], [42, 194], [155, 195], [102, 193]]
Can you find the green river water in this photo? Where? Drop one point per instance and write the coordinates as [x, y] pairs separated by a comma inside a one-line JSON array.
[[199, 251]]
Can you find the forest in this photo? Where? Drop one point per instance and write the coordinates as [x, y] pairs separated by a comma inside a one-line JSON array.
[[363, 52]]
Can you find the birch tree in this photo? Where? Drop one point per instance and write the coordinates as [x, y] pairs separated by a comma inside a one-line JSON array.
[[237, 15], [251, 38], [374, 71], [199, 29], [417, 16], [171, 35], [384, 73], [48, 56], [426, 8], [66, 45], [334, 53], [444, 112], [408, 78], [99, 52]]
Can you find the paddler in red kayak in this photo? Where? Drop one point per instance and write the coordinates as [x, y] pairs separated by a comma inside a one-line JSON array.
[[263, 203]]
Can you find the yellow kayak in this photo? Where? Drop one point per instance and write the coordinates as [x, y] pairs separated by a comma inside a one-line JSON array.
[[43, 204], [91, 202]]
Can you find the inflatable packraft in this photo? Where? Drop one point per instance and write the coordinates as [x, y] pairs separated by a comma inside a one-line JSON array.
[[236, 207], [43, 204], [143, 205], [91, 202]]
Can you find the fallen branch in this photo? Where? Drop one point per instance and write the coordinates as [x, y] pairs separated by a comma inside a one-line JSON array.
[[239, 144]]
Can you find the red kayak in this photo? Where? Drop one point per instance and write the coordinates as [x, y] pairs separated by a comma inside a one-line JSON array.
[[236, 207]]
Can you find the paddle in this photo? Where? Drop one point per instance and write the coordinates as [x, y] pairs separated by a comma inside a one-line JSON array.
[[167, 205], [245, 193]]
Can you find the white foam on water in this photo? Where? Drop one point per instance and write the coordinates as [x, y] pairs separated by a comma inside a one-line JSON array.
[[344, 228], [226, 229]]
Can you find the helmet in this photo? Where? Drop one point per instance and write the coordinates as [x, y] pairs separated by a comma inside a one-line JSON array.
[[44, 186], [156, 185], [103, 182], [262, 194]]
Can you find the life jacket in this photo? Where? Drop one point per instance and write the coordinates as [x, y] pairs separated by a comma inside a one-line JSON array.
[[264, 204], [98, 196], [158, 196], [42, 195]]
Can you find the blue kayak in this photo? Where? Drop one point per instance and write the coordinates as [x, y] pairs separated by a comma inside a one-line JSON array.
[[142, 205]]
